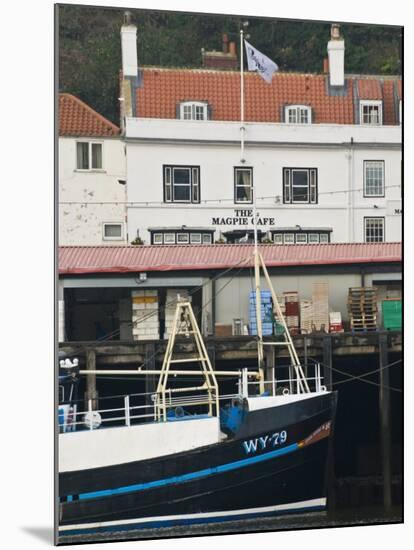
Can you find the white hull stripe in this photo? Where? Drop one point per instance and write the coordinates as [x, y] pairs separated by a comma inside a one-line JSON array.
[[193, 518]]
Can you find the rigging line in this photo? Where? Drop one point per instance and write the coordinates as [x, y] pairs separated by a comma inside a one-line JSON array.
[[360, 375], [149, 359], [355, 378], [174, 302], [213, 201], [361, 378], [196, 289]]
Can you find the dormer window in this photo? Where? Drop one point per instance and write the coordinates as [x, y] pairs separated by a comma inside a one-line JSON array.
[[298, 114], [370, 112], [193, 110]]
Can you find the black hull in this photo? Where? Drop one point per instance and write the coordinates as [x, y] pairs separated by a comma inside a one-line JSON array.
[[224, 481]]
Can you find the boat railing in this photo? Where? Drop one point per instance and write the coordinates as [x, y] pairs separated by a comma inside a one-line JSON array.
[[128, 410], [285, 383]]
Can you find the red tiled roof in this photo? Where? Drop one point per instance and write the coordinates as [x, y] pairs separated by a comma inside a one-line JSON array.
[[389, 103], [78, 119], [399, 89], [163, 89], [131, 259], [368, 88]]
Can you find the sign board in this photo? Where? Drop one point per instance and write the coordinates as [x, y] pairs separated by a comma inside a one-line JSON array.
[[394, 208], [243, 217]]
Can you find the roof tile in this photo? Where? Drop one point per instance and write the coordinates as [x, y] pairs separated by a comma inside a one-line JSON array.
[[163, 89], [76, 118]]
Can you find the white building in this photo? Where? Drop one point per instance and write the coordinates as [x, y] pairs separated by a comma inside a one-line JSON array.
[[91, 165], [322, 151]]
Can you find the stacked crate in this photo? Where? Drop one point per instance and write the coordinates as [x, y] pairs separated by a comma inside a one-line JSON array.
[[320, 305], [392, 314], [145, 322], [171, 305], [335, 322], [362, 308], [306, 316], [266, 312], [278, 326], [292, 311]]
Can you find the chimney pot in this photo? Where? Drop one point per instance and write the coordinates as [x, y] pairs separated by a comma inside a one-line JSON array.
[[225, 43], [232, 47], [127, 18], [336, 55], [335, 31], [326, 66]]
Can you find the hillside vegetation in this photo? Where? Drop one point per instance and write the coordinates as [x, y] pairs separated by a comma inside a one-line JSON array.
[[90, 48]]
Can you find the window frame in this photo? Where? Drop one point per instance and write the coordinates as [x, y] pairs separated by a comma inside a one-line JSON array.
[[312, 186], [90, 143], [105, 238], [235, 170], [305, 238], [195, 234], [366, 218], [169, 234], [193, 106], [298, 110], [370, 103], [168, 183], [365, 179], [186, 241], [155, 237]]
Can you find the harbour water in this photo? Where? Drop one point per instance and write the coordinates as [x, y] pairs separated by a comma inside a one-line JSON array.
[[336, 518]]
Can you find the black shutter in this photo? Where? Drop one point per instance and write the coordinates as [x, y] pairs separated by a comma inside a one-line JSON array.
[[209, 112]]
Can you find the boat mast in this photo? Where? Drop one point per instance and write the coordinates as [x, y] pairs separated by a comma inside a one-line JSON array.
[[256, 251], [258, 297]]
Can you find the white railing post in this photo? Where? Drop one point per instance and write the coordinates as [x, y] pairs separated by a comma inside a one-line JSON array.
[[90, 414], [245, 382], [127, 411]]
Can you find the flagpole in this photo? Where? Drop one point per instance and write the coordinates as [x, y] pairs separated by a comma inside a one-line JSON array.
[[241, 96]]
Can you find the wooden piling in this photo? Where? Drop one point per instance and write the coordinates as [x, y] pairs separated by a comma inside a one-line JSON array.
[[327, 361], [385, 420], [150, 380], [91, 392], [269, 360]]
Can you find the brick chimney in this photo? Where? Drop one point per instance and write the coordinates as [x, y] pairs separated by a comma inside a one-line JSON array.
[[226, 59], [336, 55]]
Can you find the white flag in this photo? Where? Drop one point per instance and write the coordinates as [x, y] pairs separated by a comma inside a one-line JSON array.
[[256, 61]]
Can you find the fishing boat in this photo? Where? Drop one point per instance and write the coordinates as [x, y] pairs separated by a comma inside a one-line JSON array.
[[188, 452]]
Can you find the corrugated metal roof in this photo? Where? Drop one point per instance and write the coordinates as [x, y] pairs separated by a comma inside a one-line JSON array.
[[129, 259]]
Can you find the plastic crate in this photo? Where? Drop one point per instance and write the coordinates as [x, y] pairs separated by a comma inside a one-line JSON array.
[[392, 314]]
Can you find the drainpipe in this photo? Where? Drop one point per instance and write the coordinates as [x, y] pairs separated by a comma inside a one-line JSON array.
[[362, 277], [213, 305], [350, 206]]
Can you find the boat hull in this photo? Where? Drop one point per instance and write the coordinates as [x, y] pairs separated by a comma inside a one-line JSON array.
[[276, 462]]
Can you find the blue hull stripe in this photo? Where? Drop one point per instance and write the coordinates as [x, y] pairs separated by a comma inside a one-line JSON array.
[[153, 524], [191, 476]]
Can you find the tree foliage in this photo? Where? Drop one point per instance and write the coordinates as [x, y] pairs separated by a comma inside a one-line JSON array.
[[90, 47]]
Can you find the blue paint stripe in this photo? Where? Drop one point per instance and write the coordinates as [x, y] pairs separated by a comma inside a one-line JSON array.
[[190, 476], [185, 521]]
